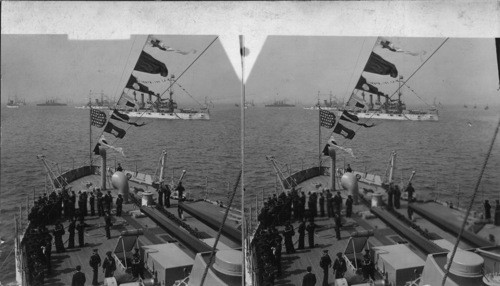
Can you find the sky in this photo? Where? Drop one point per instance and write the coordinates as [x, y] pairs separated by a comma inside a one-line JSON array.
[[295, 68], [40, 67], [52, 50]]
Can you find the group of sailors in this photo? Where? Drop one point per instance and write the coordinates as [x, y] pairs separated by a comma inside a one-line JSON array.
[[339, 267], [53, 210], [284, 209], [278, 210]]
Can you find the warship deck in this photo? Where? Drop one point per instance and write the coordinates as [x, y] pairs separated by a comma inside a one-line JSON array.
[[63, 264], [294, 265]]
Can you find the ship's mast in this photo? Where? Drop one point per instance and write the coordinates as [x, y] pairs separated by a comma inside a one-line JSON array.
[[171, 89]]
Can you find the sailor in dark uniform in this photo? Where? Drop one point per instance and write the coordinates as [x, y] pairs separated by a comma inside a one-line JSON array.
[[81, 231], [180, 192], [329, 203], [390, 196], [108, 265], [325, 263], [78, 277], [410, 190], [288, 233], [160, 195], [100, 204], [487, 210], [277, 254], [338, 225], [309, 279], [46, 251], [397, 197], [167, 192], [119, 203], [337, 203], [339, 266], [108, 224], [108, 200], [92, 204], [119, 168], [58, 233], [71, 230], [302, 231], [95, 262], [137, 269], [348, 169], [368, 267], [321, 205], [310, 233]]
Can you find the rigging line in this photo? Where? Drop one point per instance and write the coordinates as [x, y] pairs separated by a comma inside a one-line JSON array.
[[357, 60], [404, 83], [478, 182], [124, 67], [188, 94], [108, 116], [1, 267], [185, 70], [212, 254], [175, 81]]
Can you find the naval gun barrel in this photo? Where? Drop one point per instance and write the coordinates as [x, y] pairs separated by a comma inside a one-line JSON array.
[[363, 233]]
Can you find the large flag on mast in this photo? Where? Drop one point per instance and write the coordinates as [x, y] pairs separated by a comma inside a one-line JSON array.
[[326, 118], [102, 142], [116, 131], [331, 142], [97, 118], [364, 85], [356, 101], [116, 115], [497, 43], [349, 117], [149, 64], [376, 64], [156, 43], [344, 131], [134, 84], [389, 45]]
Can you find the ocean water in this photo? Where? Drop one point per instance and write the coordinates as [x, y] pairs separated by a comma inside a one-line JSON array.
[[446, 155]]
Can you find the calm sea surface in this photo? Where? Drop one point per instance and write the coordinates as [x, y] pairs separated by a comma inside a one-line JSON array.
[[446, 155]]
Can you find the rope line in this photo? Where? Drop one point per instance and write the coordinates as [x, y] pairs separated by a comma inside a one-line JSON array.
[[189, 94], [175, 81], [212, 254], [1, 267], [142, 114], [476, 188]]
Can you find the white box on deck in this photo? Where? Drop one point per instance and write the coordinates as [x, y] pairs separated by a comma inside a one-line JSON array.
[[399, 262], [168, 260]]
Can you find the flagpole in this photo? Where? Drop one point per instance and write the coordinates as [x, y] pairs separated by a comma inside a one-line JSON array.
[[90, 136], [319, 138], [242, 106]]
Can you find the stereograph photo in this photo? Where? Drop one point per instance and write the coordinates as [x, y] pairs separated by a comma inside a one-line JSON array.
[[250, 143]]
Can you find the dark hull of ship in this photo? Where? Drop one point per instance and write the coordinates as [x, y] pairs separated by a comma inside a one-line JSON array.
[[52, 104], [280, 105]]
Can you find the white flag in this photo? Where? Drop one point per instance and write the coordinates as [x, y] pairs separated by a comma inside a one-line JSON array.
[[104, 143], [332, 142]]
